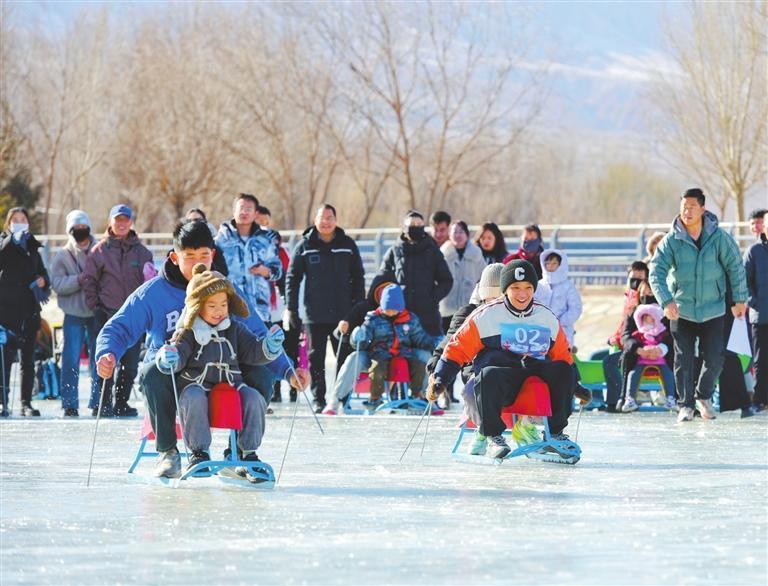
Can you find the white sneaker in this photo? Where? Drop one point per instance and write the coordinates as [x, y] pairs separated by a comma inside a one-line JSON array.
[[685, 414], [629, 405], [498, 447], [479, 445], [671, 403], [706, 409]]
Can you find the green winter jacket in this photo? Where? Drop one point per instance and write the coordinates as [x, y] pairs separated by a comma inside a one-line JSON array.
[[696, 279]]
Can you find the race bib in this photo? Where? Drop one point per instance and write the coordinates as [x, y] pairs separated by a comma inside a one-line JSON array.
[[526, 339]]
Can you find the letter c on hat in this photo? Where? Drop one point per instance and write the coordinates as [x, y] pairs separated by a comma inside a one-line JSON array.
[[519, 274]]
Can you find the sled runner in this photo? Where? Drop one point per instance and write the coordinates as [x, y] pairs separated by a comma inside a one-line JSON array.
[[533, 400], [224, 412]]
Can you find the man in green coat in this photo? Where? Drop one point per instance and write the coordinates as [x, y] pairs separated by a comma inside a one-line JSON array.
[[688, 276]]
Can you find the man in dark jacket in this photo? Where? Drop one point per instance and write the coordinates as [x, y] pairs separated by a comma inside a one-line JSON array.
[[329, 263], [117, 265], [756, 265], [531, 247], [416, 263]]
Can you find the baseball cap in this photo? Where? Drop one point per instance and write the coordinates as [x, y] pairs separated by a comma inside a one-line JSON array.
[[120, 210]]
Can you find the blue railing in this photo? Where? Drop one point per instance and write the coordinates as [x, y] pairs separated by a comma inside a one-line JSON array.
[[598, 254]]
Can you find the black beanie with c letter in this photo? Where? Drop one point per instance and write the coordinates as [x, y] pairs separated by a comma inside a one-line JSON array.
[[517, 271]]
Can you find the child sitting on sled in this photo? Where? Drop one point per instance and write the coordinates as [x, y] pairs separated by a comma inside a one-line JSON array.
[[392, 331], [654, 338], [205, 351]]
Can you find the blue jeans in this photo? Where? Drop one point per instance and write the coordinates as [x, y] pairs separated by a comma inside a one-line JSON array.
[[77, 331]]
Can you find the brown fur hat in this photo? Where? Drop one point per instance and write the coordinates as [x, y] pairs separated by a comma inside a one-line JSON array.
[[202, 285]]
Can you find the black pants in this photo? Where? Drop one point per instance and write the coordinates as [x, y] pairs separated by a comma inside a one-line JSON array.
[[760, 358], [498, 386], [317, 336], [733, 387], [23, 340], [127, 368], [710, 336]]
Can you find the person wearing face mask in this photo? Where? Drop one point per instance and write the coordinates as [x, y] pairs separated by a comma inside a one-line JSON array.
[[417, 265], [24, 284], [531, 247], [79, 322]]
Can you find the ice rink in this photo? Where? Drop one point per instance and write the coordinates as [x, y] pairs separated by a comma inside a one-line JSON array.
[[651, 502]]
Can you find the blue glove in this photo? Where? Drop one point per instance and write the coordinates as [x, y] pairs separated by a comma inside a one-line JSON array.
[[273, 342], [167, 358], [358, 336], [3, 336]]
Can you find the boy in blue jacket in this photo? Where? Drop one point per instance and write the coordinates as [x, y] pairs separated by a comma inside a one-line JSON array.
[[152, 312], [392, 331]]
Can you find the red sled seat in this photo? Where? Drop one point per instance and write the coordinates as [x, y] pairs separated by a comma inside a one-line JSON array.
[[533, 399]]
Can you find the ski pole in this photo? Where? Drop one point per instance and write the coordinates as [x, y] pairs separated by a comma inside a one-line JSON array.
[[428, 409], [426, 431], [5, 385], [178, 410], [293, 373], [290, 435], [578, 422], [18, 381], [96, 429]]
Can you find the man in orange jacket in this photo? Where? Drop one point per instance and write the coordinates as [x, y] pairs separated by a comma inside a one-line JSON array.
[[508, 340]]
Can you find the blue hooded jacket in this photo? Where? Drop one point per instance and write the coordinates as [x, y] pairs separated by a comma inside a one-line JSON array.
[[153, 311]]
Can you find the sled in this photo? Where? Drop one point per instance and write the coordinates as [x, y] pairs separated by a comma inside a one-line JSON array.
[[533, 400], [224, 412], [397, 398]]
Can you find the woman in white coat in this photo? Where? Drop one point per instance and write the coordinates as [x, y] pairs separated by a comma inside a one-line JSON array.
[[466, 263]]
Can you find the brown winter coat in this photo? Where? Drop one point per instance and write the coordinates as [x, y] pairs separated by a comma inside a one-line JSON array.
[[113, 270]]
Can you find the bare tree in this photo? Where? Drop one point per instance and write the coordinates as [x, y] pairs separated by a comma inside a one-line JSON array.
[[435, 90], [713, 105]]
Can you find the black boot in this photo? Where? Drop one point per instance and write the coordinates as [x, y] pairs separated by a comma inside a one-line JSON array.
[[125, 410], [293, 395], [70, 412], [27, 410]]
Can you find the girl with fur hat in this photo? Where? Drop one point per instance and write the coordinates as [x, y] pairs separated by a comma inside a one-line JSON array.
[[205, 351]]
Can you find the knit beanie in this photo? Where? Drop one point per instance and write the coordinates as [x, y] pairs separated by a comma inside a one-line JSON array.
[[202, 285], [76, 217], [380, 289], [392, 298], [518, 271], [489, 281]]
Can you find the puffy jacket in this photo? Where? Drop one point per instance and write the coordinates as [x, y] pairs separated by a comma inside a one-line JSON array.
[[387, 338], [457, 321], [152, 312], [241, 254], [558, 292], [20, 265], [113, 270], [696, 279], [66, 268], [335, 278], [205, 348], [490, 336], [756, 267], [465, 270], [419, 267]]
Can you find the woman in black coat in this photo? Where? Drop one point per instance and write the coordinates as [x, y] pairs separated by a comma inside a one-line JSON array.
[[24, 284]]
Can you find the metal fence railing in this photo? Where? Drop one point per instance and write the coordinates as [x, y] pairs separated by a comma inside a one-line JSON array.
[[598, 254]]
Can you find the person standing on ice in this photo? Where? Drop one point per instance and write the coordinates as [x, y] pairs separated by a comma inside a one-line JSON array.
[[329, 264], [79, 323], [152, 312], [117, 265], [251, 253], [507, 341], [208, 349], [690, 271], [756, 265]]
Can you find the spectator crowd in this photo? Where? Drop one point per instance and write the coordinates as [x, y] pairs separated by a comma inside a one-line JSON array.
[[439, 300]]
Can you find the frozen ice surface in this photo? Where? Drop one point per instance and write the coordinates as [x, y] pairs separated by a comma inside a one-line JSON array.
[[651, 502]]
